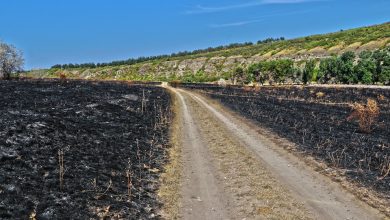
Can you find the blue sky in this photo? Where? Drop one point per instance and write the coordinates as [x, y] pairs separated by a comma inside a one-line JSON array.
[[77, 31]]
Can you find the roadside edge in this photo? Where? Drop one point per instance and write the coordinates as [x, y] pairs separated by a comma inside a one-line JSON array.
[[170, 180]]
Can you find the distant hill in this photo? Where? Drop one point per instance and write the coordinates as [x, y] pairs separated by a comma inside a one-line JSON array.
[[219, 62]]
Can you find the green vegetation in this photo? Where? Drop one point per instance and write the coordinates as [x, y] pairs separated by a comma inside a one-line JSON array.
[[308, 73], [368, 68], [371, 67]]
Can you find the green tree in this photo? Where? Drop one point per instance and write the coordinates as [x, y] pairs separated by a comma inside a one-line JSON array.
[[346, 73], [298, 75], [238, 75], [382, 62], [282, 69], [258, 71], [308, 71], [384, 76], [364, 70], [328, 70]]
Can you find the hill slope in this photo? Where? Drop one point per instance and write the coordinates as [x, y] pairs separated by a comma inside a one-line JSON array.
[[220, 63]]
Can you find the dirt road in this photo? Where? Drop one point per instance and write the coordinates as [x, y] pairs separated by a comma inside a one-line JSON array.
[[231, 171]]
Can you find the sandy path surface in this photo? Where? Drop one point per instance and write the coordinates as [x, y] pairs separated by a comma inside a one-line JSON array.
[[233, 172], [202, 196]]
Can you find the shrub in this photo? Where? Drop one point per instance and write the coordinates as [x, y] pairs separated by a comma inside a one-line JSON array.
[[258, 72], [308, 71], [346, 73], [384, 76], [175, 83], [328, 70], [283, 69], [239, 76], [364, 70], [320, 94], [62, 76], [365, 114], [367, 78]]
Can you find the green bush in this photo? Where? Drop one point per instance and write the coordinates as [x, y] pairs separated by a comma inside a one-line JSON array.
[[258, 72], [239, 76], [346, 73], [328, 70], [281, 69], [365, 69], [308, 71]]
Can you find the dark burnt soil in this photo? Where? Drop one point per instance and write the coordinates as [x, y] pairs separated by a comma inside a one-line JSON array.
[[103, 131], [318, 125]]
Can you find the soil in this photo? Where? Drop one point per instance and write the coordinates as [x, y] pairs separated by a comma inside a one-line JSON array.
[[104, 129]]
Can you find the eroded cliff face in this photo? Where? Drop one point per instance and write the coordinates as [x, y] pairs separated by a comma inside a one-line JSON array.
[[215, 66]]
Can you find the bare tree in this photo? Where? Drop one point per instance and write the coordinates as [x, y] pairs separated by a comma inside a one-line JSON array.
[[11, 60]]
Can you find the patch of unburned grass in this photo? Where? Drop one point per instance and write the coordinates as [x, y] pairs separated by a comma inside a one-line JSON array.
[[169, 191]]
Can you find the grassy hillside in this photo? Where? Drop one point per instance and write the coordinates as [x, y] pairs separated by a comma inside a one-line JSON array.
[[372, 37], [220, 63]]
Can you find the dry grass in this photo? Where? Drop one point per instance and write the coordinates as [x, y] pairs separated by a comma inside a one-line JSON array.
[[365, 114], [257, 88], [335, 49], [61, 168], [376, 44], [320, 94], [175, 83], [352, 47], [268, 54], [301, 52], [129, 182], [169, 191], [285, 52], [62, 76], [318, 51]]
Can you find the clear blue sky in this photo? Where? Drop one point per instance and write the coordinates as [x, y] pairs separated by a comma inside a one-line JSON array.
[[77, 31]]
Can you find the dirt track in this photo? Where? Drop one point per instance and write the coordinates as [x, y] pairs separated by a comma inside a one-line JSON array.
[[233, 172]]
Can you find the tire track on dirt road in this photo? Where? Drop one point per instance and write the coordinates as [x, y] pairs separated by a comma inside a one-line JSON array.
[[202, 198], [322, 197]]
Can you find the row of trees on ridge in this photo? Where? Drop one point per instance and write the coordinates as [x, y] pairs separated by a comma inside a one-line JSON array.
[[132, 61]]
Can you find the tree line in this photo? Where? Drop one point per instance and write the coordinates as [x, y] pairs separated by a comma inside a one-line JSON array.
[[132, 61], [368, 67]]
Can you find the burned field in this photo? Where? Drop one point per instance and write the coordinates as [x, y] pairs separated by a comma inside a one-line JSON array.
[[316, 120], [78, 149]]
